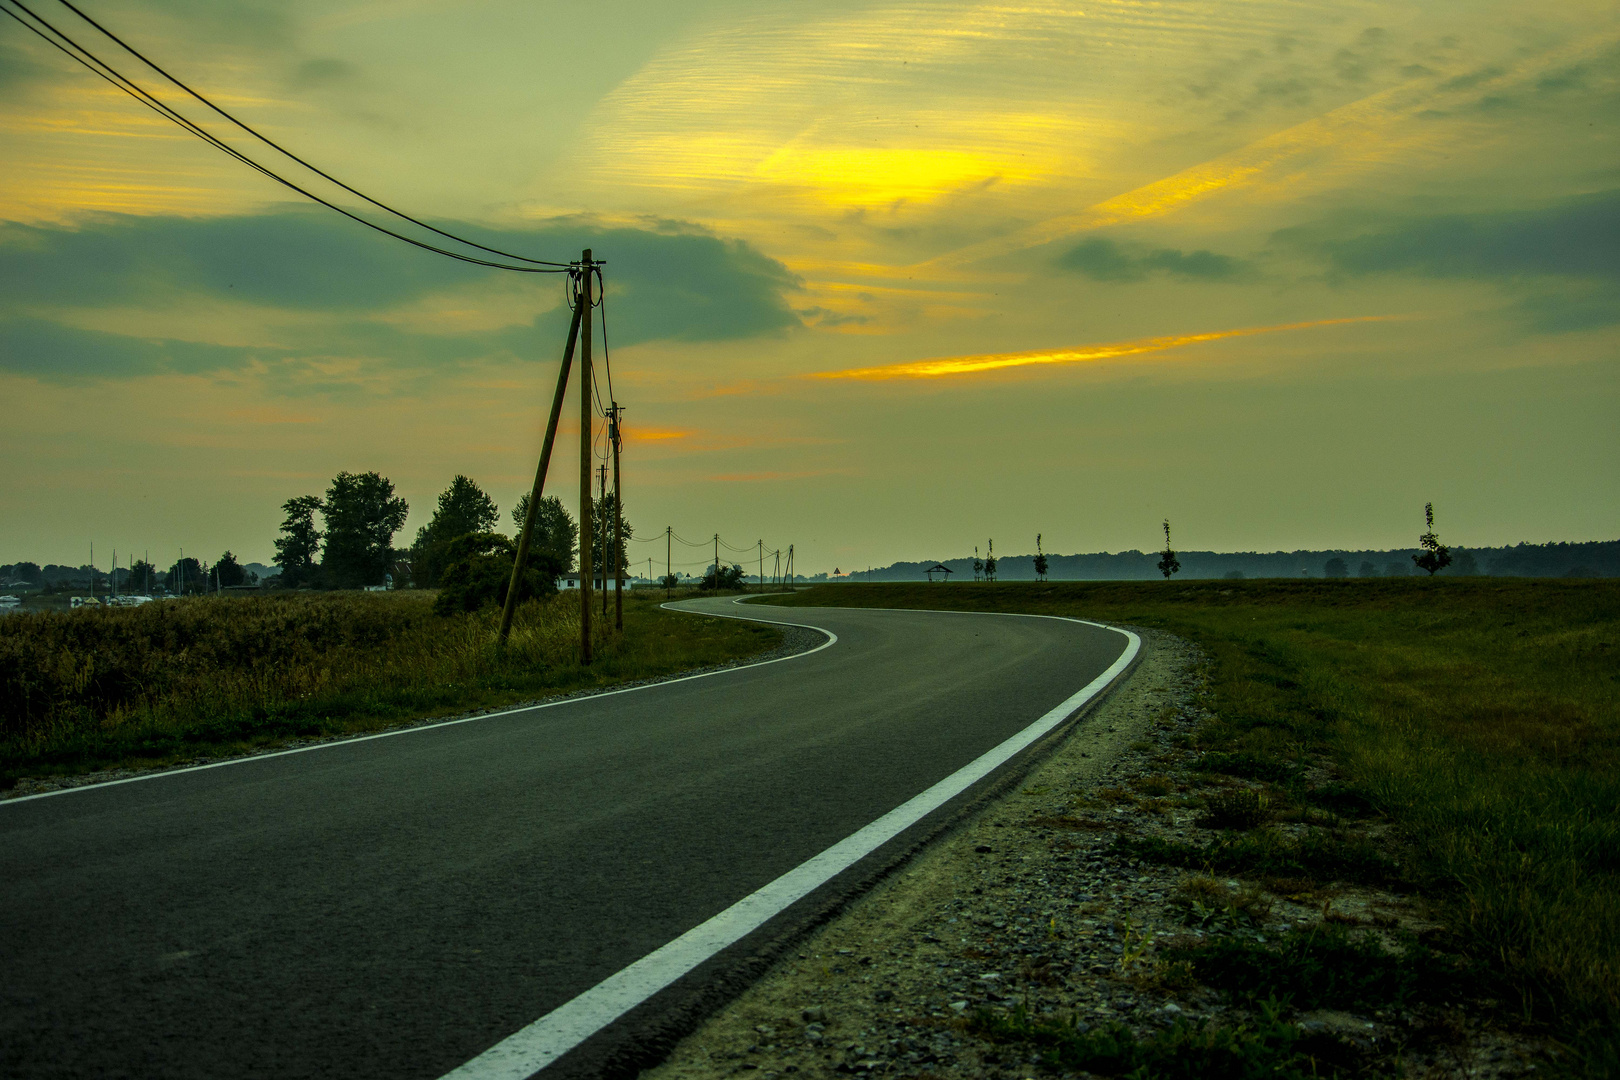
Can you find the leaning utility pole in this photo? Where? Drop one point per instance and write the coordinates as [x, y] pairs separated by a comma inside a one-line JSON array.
[[539, 481], [618, 519], [585, 424]]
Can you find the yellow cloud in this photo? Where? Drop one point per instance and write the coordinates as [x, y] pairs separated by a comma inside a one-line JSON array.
[[968, 365], [865, 176]]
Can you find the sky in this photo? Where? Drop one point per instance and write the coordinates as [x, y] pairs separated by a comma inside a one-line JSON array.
[[884, 280]]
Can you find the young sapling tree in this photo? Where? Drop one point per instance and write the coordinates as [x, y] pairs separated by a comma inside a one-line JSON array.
[[1040, 559], [1168, 563], [1435, 555]]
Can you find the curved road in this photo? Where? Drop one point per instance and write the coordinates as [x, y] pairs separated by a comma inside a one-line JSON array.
[[396, 906]]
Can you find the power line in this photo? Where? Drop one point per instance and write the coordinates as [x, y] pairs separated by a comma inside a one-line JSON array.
[[71, 48], [288, 153]]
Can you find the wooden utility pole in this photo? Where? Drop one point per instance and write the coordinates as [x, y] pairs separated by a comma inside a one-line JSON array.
[[717, 561], [761, 565], [539, 481], [586, 525], [669, 531], [618, 519]]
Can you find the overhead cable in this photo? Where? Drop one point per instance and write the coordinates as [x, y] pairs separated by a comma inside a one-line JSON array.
[[83, 56], [143, 58]]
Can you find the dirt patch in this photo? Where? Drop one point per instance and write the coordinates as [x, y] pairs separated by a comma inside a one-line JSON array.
[[1057, 923]]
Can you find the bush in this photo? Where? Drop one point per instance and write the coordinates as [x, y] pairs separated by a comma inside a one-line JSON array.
[[478, 571], [730, 577]]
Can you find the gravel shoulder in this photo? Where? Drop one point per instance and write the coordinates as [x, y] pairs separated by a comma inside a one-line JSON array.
[[1032, 908]]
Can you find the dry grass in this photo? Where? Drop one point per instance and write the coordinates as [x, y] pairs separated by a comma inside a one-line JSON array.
[[158, 683]]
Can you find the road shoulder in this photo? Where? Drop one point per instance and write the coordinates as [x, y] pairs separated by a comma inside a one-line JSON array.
[[1033, 912]]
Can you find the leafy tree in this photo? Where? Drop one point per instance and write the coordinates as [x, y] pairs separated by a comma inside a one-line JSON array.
[[723, 577], [362, 516], [602, 542], [229, 572], [1168, 563], [990, 562], [1435, 555], [555, 529], [978, 564], [28, 571], [463, 508], [1465, 564], [669, 581], [1335, 568], [478, 571], [185, 576], [299, 540], [142, 575], [1367, 570], [1040, 559]]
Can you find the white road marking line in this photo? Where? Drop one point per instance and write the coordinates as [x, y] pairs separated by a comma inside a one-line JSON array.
[[531, 1049], [832, 639]]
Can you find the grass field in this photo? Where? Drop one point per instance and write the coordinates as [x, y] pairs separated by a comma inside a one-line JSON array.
[[1480, 716], [163, 683]]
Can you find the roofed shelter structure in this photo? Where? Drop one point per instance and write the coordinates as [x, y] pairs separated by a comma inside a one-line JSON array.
[[941, 569]]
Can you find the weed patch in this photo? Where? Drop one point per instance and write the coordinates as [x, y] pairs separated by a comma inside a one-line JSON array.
[[1238, 808], [1266, 1048], [1318, 854], [1247, 766], [1324, 968]]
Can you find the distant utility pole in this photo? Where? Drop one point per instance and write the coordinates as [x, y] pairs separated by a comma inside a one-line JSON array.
[[618, 520], [669, 531], [586, 525], [761, 565], [602, 476], [716, 560]]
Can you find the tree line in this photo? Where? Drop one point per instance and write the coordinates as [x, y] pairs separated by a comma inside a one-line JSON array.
[[459, 551]]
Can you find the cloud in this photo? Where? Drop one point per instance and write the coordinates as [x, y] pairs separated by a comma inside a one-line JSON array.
[[1104, 260], [59, 353], [1563, 312], [665, 281], [1578, 238], [971, 365]]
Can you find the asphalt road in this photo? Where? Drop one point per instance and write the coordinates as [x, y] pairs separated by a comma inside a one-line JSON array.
[[393, 907]]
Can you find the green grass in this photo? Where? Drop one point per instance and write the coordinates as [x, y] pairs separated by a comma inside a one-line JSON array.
[[1479, 715], [161, 683]]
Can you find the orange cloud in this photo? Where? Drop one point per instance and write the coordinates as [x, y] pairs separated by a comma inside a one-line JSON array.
[[635, 435], [967, 365]]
